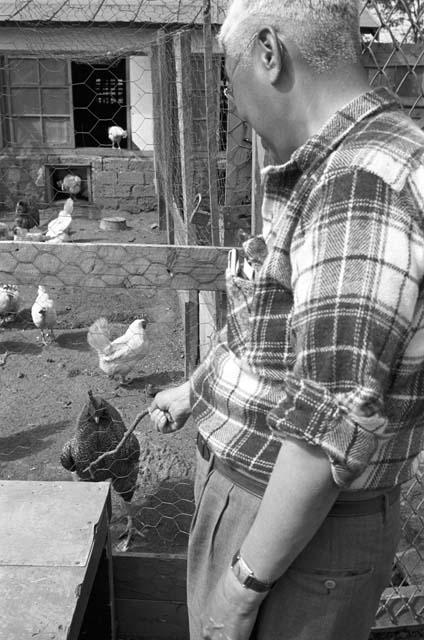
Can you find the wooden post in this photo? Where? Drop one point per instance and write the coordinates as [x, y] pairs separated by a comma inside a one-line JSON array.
[[191, 331], [182, 48], [257, 165], [211, 123], [164, 65], [157, 138]]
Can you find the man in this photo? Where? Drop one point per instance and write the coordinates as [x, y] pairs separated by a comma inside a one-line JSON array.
[[310, 405]]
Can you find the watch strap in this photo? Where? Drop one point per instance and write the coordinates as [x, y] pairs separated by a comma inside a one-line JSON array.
[[246, 577]]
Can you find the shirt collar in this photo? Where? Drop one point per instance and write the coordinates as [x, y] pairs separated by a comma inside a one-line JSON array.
[[319, 146]]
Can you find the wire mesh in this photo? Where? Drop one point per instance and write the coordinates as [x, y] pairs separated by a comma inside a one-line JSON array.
[[69, 71]]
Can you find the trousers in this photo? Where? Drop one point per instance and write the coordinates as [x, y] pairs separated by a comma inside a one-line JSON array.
[[332, 589]]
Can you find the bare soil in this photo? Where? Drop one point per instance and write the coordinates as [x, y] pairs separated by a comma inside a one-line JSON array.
[[42, 389]]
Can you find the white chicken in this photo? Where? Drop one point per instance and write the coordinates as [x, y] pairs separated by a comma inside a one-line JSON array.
[[71, 184], [58, 229], [117, 357], [115, 135], [43, 314], [10, 300]]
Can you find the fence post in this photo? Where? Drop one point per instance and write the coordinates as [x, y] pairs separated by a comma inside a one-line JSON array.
[[165, 128], [182, 48], [211, 123]]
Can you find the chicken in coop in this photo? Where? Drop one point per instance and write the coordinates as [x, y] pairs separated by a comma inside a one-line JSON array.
[[10, 300], [97, 452], [71, 184], [115, 135], [27, 216], [118, 357], [43, 314]]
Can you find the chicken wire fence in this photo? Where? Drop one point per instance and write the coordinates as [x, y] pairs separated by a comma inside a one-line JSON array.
[[120, 109]]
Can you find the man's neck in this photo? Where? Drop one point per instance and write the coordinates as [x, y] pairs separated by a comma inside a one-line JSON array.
[[315, 99]]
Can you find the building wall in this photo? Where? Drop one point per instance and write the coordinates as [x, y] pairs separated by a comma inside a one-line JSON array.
[[123, 182]]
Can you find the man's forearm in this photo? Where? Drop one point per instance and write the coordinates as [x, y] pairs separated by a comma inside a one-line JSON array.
[[299, 495]]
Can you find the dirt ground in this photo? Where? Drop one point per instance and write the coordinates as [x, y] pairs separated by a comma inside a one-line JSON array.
[[42, 389]]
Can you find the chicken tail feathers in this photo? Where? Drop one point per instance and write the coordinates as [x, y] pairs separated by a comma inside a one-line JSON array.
[[98, 336], [66, 458]]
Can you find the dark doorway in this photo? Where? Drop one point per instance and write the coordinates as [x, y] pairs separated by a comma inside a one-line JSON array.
[[99, 97]]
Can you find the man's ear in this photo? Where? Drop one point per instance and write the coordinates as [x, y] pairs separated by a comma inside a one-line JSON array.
[[272, 53]]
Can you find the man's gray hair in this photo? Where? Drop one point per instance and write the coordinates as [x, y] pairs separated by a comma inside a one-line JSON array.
[[326, 32]]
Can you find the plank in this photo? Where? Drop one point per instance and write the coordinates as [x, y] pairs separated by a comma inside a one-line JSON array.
[[36, 515], [211, 124], [52, 536], [157, 136], [165, 78], [113, 265], [191, 333], [150, 619], [384, 54], [182, 47], [150, 576]]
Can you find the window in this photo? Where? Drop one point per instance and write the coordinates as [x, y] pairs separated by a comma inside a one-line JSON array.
[[60, 103], [39, 102], [99, 93]]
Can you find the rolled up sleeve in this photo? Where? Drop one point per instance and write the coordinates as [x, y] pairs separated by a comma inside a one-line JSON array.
[[355, 275]]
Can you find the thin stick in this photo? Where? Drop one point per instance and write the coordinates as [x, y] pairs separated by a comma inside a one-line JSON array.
[[127, 434]]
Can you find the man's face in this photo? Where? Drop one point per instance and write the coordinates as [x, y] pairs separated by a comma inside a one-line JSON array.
[[248, 94]]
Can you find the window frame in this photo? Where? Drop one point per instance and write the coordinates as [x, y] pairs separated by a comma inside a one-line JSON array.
[[42, 116]]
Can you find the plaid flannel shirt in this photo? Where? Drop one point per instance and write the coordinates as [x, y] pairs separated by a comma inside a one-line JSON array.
[[327, 344]]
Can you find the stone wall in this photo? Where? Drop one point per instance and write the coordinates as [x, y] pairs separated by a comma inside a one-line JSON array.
[[123, 182]]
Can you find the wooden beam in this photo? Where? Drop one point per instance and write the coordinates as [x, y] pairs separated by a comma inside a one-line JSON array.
[[191, 333], [113, 265], [182, 48], [211, 123], [157, 136], [165, 73], [258, 154]]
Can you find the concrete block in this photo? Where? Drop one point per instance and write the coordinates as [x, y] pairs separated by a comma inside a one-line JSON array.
[[115, 164], [130, 177], [105, 178]]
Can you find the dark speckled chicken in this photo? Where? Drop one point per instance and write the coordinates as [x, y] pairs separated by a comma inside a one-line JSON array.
[[100, 428], [27, 215]]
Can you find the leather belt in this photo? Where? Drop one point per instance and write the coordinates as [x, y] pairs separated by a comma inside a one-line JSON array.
[[341, 508]]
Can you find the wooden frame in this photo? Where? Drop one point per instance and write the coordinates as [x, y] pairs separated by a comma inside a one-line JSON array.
[[42, 116]]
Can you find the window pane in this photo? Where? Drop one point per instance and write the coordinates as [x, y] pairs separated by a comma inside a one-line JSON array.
[[57, 131], [53, 72], [23, 71], [25, 101], [55, 101], [27, 131]]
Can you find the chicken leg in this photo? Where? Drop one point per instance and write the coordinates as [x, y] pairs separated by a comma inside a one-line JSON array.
[[130, 530]]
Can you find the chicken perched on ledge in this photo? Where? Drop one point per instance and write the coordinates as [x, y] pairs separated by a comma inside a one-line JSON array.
[[43, 314], [99, 430], [10, 300], [115, 135], [117, 357]]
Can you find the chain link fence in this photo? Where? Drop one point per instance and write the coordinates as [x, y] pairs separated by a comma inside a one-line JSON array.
[[120, 109]]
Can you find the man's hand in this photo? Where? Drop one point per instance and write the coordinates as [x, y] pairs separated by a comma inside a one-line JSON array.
[[171, 408], [232, 610]]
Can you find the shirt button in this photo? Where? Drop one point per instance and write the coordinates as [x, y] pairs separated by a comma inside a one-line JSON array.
[[330, 584]]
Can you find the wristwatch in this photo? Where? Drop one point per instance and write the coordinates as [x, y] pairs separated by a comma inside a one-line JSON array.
[[246, 577]]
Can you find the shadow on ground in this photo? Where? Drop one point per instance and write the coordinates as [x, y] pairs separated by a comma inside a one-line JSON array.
[[29, 441]]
